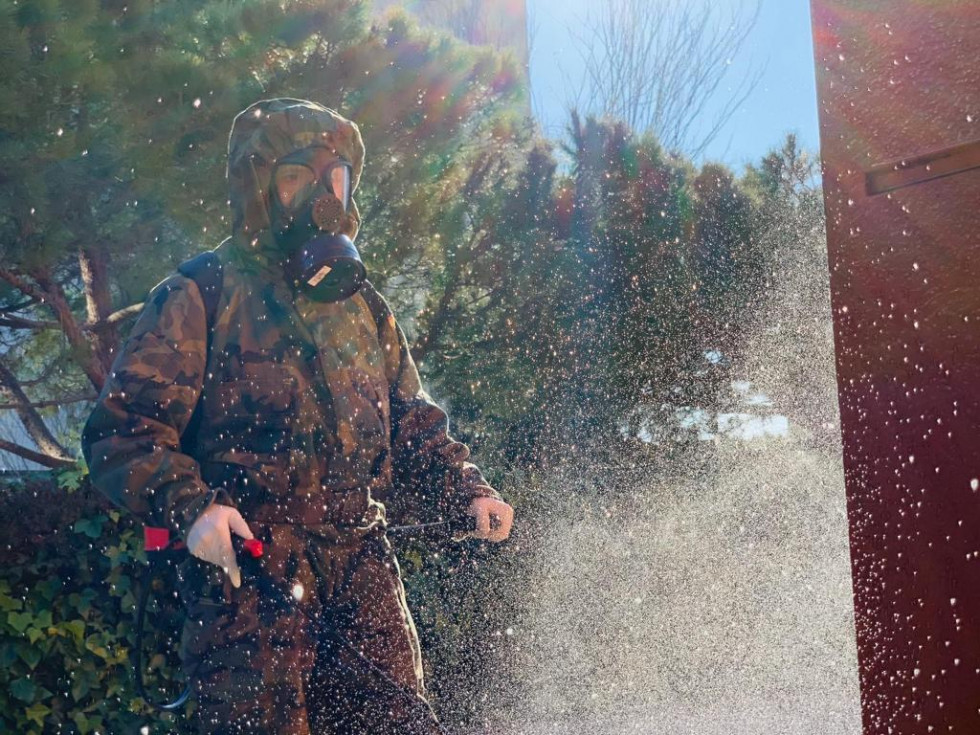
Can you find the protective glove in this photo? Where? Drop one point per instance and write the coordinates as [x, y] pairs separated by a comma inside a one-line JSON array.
[[210, 538], [483, 509]]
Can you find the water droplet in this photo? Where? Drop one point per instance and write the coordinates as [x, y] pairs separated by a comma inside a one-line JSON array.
[[197, 103], [974, 484]]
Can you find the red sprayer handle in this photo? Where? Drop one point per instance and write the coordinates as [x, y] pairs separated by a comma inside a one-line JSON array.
[[158, 539]]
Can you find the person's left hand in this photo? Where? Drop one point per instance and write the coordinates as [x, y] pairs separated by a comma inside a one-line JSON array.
[[483, 508]]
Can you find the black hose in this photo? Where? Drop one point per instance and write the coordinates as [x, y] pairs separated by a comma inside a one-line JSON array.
[[156, 562]]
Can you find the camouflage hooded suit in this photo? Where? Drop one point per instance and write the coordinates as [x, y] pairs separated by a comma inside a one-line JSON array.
[[314, 424]]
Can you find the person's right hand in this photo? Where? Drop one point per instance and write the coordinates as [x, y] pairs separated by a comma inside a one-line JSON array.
[[210, 538]]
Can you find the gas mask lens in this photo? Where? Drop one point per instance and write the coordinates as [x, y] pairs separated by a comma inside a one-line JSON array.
[[295, 183], [340, 184]]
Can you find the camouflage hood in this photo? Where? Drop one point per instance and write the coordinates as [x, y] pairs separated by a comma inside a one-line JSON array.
[[260, 135]]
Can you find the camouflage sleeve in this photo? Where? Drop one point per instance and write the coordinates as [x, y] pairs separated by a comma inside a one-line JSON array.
[[427, 462], [131, 440]]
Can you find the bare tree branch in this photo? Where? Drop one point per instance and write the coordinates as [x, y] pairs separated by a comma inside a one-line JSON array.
[[659, 66]]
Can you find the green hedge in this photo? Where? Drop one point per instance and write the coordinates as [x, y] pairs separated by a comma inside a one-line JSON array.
[[72, 568]]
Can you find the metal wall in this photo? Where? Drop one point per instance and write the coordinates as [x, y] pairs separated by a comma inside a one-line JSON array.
[[899, 89]]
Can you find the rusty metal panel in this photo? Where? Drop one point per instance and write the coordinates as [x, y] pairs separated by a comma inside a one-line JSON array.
[[899, 88]]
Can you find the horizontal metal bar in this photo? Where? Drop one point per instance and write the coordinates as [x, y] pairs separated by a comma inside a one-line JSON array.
[[887, 177]]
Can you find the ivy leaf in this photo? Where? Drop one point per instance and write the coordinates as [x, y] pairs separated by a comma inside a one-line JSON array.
[[43, 619], [30, 655], [71, 479], [91, 527], [83, 602], [36, 712], [76, 628], [94, 644], [19, 620], [82, 685], [81, 721], [23, 689], [49, 588], [9, 603], [128, 602]]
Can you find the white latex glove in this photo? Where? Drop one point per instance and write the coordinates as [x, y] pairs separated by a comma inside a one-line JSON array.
[[483, 508], [210, 538]]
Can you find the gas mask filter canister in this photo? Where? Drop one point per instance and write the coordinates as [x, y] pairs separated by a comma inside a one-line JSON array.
[[311, 209]]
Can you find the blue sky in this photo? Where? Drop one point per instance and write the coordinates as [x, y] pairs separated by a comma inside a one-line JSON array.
[[781, 43]]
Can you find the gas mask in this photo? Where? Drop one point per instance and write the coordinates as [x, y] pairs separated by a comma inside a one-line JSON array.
[[311, 210]]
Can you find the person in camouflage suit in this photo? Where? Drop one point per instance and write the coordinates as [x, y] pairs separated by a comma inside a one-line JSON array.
[[314, 434]]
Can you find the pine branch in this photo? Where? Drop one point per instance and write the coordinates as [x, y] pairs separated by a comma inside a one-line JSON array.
[[24, 286], [114, 319], [42, 459], [17, 307], [53, 401], [16, 322]]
